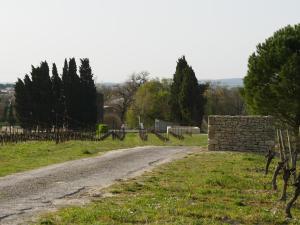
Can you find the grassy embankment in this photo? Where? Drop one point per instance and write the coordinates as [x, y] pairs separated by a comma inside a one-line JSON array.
[[25, 156], [204, 188]]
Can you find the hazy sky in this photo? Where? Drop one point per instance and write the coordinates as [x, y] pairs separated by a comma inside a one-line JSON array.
[[125, 36]]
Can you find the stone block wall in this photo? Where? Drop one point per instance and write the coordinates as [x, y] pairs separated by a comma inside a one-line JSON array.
[[240, 133]]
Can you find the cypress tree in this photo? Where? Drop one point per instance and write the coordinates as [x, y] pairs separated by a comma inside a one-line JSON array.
[[187, 96], [28, 103], [88, 107], [42, 95], [20, 102], [71, 84], [65, 91], [23, 103], [191, 99], [57, 98], [175, 89]]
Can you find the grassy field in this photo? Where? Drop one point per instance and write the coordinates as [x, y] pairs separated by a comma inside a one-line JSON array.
[[25, 156], [204, 188]]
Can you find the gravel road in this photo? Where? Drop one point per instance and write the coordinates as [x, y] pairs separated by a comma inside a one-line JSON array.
[[27, 194]]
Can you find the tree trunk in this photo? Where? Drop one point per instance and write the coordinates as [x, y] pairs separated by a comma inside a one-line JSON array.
[[276, 173], [293, 200], [269, 156], [286, 177]]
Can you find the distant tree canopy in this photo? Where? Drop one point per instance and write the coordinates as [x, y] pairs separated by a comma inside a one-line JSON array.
[[43, 102], [272, 84], [223, 100], [126, 91], [150, 103], [187, 96]]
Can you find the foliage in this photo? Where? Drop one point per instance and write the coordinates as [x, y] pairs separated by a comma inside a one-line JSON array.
[[70, 101], [187, 95], [102, 128], [151, 102], [124, 93], [41, 95], [88, 96], [72, 91], [132, 120], [272, 84], [57, 98], [222, 100], [23, 102]]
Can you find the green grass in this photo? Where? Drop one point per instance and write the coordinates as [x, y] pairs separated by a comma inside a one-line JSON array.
[[25, 156], [204, 188]]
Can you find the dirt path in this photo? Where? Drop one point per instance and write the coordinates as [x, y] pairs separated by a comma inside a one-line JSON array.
[[24, 195]]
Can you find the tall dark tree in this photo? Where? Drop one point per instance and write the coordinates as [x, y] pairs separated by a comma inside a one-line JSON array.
[[42, 96], [57, 98], [191, 98], [176, 88], [88, 97], [71, 87], [23, 103], [65, 90], [187, 96]]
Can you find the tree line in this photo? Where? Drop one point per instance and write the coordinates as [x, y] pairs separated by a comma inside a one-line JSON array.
[[43, 101], [180, 100]]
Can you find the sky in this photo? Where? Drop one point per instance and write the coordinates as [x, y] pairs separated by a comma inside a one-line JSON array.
[[122, 37]]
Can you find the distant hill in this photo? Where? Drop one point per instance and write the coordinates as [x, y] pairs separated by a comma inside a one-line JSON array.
[[230, 82], [6, 85]]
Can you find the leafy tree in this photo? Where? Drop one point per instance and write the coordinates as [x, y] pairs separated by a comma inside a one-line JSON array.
[[125, 92], [150, 103], [88, 95], [272, 84]]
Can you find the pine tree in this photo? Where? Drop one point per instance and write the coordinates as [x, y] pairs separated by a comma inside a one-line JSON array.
[[88, 107]]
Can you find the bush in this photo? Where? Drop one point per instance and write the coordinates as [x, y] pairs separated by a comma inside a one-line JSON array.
[[102, 128]]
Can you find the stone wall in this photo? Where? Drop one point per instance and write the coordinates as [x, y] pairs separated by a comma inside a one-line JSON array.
[[240, 133]]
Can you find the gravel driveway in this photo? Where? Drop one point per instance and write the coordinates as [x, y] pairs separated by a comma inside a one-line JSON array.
[[24, 195]]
